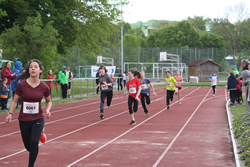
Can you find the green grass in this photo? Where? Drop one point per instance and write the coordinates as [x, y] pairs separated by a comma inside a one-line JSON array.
[[243, 143]]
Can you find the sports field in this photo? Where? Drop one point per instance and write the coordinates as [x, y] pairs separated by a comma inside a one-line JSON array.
[[192, 134]]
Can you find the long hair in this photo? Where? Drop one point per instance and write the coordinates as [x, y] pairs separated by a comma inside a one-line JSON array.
[[136, 73], [6, 64], [25, 73], [102, 67]]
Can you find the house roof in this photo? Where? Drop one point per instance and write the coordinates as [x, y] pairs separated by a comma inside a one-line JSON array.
[[199, 62]]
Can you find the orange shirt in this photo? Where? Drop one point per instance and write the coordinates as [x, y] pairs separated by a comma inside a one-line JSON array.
[[178, 81]]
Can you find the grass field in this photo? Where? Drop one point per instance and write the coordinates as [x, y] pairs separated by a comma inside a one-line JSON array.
[[243, 142]]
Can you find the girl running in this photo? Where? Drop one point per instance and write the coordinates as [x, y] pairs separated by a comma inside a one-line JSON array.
[[214, 80], [31, 118], [106, 86], [145, 91], [134, 91], [179, 81], [171, 86]]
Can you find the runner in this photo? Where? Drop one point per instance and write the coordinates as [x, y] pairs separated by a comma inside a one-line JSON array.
[[106, 86], [171, 86], [134, 91], [179, 81], [214, 80], [145, 91], [31, 118]]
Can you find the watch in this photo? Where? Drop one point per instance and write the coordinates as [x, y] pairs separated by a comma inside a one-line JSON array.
[[9, 113]]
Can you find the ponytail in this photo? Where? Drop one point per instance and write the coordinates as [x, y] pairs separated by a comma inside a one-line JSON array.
[[136, 73]]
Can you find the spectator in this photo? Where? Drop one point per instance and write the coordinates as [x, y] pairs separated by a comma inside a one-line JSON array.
[[7, 73], [15, 82], [119, 81], [111, 76], [4, 94], [97, 81], [246, 77], [70, 77], [231, 86], [239, 98], [235, 70], [63, 79], [49, 77], [124, 79]]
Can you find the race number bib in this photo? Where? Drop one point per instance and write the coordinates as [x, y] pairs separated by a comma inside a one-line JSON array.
[[169, 83], [132, 90], [104, 87], [30, 108], [144, 86], [178, 83]]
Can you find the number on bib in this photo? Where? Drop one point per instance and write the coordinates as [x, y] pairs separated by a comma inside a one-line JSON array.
[[104, 87], [30, 108], [144, 86], [169, 83], [132, 90], [178, 83]]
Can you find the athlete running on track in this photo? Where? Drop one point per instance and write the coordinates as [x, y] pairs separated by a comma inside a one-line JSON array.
[[179, 81], [171, 86]]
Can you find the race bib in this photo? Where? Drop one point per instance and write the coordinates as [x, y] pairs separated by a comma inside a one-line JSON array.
[[30, 108], [132, 90], [144, 86], [104, 87], [178, 83], [169, 83]]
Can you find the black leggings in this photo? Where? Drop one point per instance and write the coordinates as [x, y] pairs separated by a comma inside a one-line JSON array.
[[214, 89], [31, 132], [233, 95], [239, 95], [109, 95], [119, 83], [143, 97], [170, 95], [131, 100]]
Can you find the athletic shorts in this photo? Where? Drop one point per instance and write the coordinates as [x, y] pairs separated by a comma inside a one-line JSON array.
[[179, 88], [69, 85]]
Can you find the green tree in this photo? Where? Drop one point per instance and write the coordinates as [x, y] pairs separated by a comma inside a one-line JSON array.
[[198, 23], [211, 40], [35, 41]]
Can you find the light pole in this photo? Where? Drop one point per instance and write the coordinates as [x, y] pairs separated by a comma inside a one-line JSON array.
[[121, 42]]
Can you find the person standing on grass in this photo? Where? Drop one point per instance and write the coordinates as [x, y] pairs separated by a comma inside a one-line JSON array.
[[214, 80], [4, 94], [31, 117], [179, 81], [63, 78], [246, 77], [145, 91], [231, 86], [70, 77], [106, 86], [239, 90], [171, 86], [119, 81], [97, 82], [124, 77], [134, 91], [50, 83], [113, 79]]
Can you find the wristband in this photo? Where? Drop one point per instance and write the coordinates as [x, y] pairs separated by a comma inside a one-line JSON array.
[[10, 113]]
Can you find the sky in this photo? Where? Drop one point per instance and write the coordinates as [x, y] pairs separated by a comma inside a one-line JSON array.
[[176, 10]]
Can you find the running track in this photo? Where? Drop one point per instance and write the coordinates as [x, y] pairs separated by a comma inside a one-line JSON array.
[[193, 134]]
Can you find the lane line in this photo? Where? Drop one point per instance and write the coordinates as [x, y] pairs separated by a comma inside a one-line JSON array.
[[65, 118], [66, 134], [91, 153], [178, 134]]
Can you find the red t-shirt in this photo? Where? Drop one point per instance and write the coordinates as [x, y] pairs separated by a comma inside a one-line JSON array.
[[49, 82], [132, 87], [6, 73], [31, 100], [238, 85], [178, 81]]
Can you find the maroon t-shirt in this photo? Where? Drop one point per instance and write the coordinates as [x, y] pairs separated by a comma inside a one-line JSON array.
[[31, 100]]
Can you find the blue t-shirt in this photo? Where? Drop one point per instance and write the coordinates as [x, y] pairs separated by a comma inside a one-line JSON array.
[[214, 80], [145, 84]]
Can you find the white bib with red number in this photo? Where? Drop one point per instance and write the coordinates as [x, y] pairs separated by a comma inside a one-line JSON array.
[[30, 107]]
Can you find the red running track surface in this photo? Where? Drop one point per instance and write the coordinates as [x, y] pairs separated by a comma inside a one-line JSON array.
[[192, 134]]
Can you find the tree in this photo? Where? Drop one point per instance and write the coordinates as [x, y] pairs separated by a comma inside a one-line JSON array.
[[211, 40], [198, 23], [35, 41]]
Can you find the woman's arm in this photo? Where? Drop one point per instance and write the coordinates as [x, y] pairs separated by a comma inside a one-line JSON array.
[[12, 108], [48, 106]]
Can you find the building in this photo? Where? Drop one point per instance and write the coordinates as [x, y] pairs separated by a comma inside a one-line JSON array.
[[202, 69], [150, 25]]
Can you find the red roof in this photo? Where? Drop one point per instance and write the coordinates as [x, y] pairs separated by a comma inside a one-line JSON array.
[[199, 62]]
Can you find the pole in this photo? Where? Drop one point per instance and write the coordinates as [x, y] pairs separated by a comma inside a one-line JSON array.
[[121, 42]]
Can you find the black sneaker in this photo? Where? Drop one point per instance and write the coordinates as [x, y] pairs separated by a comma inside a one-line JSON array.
[[168, 107], [101, 116], [132, 122]]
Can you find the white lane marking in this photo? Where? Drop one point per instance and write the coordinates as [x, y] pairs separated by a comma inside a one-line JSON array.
[[178, 134], [75, 162]]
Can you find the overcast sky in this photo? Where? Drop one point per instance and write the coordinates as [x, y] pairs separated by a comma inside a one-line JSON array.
[[176, 10]]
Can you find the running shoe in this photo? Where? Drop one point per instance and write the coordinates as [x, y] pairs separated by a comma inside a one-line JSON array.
[[179, 102], [132, 122], [43, 137], [214, 95], [146, 114], [101, 116], [168, 107], [233, 105]]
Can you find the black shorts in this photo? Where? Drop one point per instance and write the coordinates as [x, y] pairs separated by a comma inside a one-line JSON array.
[[179, 88], [69, 85]]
